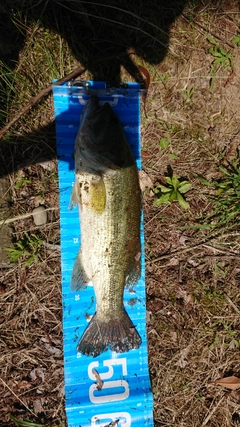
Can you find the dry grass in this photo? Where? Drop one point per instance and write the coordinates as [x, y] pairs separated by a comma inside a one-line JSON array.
[[193, 275]]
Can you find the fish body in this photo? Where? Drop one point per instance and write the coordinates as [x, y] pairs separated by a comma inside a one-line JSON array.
[[108, 194]]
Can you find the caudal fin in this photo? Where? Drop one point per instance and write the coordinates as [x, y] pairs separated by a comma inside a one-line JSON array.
[[120, 334]]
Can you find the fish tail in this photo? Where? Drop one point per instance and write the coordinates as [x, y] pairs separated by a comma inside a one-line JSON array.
[[120, 334]]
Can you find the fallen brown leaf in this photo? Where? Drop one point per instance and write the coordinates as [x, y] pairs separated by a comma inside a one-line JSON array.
[[182, 362], [146, 77], [2, 289], [23, 384], [38, 373], [144, 180], [145, 154], [229, 382]]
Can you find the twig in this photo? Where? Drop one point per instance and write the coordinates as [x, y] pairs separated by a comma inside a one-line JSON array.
[[44, 329], [212, 412], [222, 251], [209, 32], [180, 272], [232, 303], [35, 99], [170, 255], [98, 379], [191, 248], [5, 384], [46, 91], [23, 216]]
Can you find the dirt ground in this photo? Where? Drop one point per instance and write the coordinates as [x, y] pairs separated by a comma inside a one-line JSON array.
[[190, 130]]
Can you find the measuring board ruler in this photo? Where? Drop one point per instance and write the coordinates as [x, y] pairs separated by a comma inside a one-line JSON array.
[[125, 398]]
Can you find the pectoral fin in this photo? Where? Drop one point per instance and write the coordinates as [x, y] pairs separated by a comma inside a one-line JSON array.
[[79, 278], [74, 196]]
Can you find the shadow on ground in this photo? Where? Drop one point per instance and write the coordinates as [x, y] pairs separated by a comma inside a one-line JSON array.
[[104, 30], [93, 31]]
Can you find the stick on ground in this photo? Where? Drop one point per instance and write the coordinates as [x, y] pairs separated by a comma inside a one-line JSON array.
[[33, 101]]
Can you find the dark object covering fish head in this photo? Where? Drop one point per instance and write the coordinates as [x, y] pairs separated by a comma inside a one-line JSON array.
[[101, 132]]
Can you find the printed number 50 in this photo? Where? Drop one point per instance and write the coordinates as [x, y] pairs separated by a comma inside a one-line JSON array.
[[102, 395]]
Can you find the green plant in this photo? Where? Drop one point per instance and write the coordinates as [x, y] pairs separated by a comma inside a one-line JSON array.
[[215, 343], [236, 39], [27, 248], [172, 190], [25, 423], [164, 143], [222, 57], [187, 95], [226, 195], [21, 181], [28, 423]]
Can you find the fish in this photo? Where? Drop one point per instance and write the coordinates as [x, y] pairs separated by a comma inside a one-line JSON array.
[[107, 192]]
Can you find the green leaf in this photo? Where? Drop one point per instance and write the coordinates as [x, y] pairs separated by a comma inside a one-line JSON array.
[[224, 170], [219, 61], [173, 156], [205, 181], [24, 423], [164, 143], [169, 180], [173, 195], [165, 198], [184, 187], [224, 52], [29, 261], [175, 182], [164, 189], [8, 249], [212, 40], [182, 202], [200, 227], [215, 53], [236, 40], [19, 245], [162, 199], [211, 82]]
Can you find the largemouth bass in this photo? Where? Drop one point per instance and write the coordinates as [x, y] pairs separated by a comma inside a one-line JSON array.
[[108, 195]]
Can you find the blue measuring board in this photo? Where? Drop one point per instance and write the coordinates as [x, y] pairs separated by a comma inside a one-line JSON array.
[[124, 398]]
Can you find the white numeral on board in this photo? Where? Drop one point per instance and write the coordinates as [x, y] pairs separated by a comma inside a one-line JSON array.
[[110, 364], [109, 385], [107, 392]]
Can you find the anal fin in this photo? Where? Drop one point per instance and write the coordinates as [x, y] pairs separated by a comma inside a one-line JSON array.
[[134, 272], [79, 278]]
